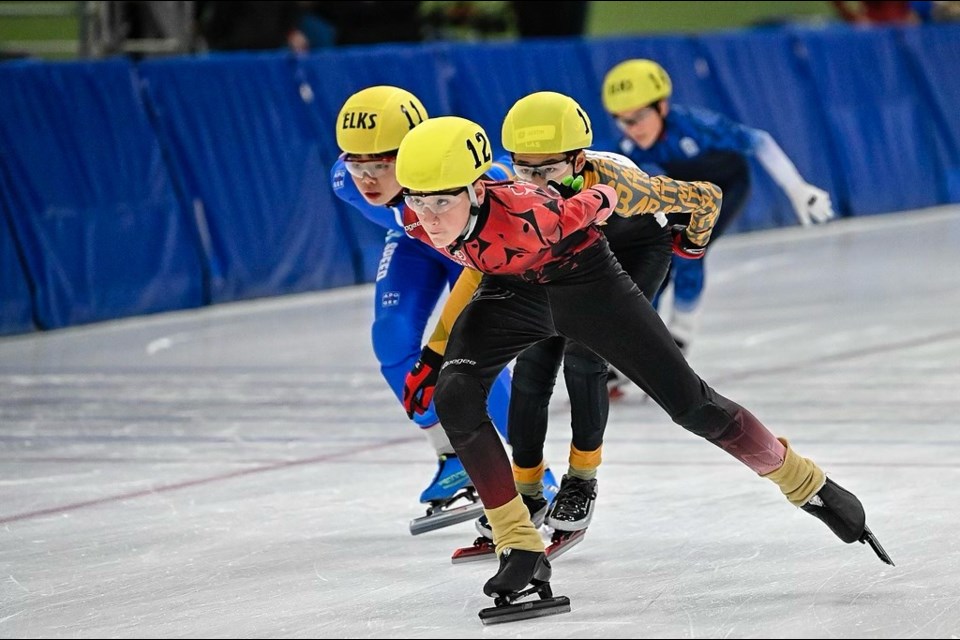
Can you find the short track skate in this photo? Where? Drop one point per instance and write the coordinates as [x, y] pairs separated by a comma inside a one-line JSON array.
[[483, 547]]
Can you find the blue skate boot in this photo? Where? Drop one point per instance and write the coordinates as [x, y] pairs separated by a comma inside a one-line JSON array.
[[550, 486], [450, 485]]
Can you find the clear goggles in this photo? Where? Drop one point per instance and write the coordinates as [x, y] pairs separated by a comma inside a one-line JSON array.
[[439, 203], [549, 171], [626, 121], [373, 168]]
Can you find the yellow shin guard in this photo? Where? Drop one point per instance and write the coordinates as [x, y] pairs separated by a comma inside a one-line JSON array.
[[513, 528], [583, 464], [799, 478], [528, 475], [529, 480]]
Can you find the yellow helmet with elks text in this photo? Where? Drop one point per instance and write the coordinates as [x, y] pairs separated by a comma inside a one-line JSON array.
[[546, 122], [376, 119], [635, 84], [443, 154]]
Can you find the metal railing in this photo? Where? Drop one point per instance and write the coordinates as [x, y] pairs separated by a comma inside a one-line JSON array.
[[104, 28]]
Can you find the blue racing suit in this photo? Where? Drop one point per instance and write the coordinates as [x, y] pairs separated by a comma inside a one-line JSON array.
[[411, 278], [698, 144]]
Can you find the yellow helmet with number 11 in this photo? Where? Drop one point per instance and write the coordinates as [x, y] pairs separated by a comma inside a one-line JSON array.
[[376, 119]]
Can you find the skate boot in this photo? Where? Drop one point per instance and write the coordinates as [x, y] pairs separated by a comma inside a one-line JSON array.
[[450, 485], [519, 568], [843, 513], [536, 506], [550, 485], [573, 507]]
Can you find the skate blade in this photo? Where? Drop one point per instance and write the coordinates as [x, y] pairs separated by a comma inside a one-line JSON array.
[[482, 549], [524, 610], [563, 542], [869, 538], [445, 518]]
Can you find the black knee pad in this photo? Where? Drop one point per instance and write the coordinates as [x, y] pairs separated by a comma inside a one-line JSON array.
[[461, 402]]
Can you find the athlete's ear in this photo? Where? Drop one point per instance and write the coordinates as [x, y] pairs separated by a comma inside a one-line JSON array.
[[480, 191], [579, 161], [663, 108]]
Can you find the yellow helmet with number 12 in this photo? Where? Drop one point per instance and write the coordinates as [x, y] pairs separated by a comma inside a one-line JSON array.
[[443, 154]]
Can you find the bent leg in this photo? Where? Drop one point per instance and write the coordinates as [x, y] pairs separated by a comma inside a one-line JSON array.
[[534, 376], [497, 324], [640, 346]]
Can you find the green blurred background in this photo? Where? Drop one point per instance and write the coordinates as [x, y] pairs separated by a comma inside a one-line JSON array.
[[603, 19]]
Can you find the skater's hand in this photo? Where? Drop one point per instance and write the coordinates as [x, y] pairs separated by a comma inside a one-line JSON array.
[[812, 205], [683, 246], [421, 381], [567, 187]]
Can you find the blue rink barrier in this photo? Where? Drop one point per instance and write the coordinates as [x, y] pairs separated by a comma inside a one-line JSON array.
[[253, 171], [172, 183], [16, 312], [88, 197]]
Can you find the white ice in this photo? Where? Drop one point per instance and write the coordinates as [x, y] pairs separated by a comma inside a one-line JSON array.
[[243, 471]]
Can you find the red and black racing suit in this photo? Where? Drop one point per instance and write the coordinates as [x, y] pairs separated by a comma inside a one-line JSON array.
[[549, 271]]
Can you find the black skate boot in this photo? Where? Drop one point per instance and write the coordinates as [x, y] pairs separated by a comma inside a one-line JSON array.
[[519, 568], [843, 513], [572, 509]]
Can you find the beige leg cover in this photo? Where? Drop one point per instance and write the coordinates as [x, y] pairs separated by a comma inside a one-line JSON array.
[[513, 528], [799, 478]]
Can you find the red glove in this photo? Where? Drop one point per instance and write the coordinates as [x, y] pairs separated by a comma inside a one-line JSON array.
[[421, 381], [683, 246]]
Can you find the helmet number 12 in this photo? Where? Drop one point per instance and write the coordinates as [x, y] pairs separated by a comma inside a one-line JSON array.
[[484, 155]]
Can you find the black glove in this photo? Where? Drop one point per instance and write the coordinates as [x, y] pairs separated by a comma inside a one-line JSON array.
[[567, 187], [683, 246], [421, 381]]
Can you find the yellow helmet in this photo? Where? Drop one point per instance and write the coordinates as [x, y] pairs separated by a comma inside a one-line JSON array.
[[376, 119], [546, 122], [443, 154], [635, 84]]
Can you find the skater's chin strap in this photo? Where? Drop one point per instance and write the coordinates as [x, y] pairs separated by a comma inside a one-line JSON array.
[[471, 221]]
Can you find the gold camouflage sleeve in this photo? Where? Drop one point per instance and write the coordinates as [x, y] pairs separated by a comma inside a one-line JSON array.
[[638, 193], [460, 295]]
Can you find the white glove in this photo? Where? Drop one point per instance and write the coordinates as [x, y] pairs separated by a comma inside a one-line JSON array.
[[812, 205]]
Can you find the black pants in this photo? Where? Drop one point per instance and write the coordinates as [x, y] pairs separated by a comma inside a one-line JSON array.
[[598, 305], [584, 372]]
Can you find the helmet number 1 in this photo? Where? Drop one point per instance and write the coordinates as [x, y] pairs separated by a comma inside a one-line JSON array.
[[586, 123], [484, 155]]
